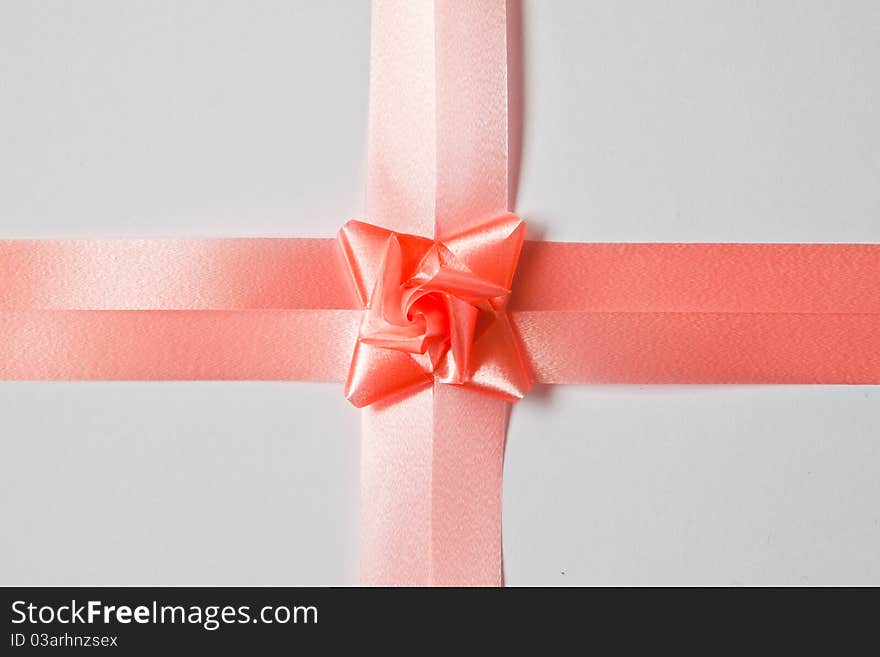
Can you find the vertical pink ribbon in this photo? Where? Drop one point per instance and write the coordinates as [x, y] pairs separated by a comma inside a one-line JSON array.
[[437, 164]]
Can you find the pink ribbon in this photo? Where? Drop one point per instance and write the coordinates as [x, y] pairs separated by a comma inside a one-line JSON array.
[[423, 318], [437, 165]]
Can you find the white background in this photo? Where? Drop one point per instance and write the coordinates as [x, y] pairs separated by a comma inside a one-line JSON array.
[[644, 121]]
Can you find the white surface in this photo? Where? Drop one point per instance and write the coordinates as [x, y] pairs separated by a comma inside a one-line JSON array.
[[681, 121]]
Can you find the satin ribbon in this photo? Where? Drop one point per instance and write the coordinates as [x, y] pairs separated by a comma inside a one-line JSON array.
[[288, 309], [437, 165], [285, 309]]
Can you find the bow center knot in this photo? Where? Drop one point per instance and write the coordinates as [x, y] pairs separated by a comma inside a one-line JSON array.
[[434, 311]]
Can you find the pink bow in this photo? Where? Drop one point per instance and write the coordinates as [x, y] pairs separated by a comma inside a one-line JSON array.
[[434, 311]]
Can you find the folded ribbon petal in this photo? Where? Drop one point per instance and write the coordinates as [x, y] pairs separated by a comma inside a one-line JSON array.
[[434, 311]]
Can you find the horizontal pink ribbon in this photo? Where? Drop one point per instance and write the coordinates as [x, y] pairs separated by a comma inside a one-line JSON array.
[[284, 309]]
